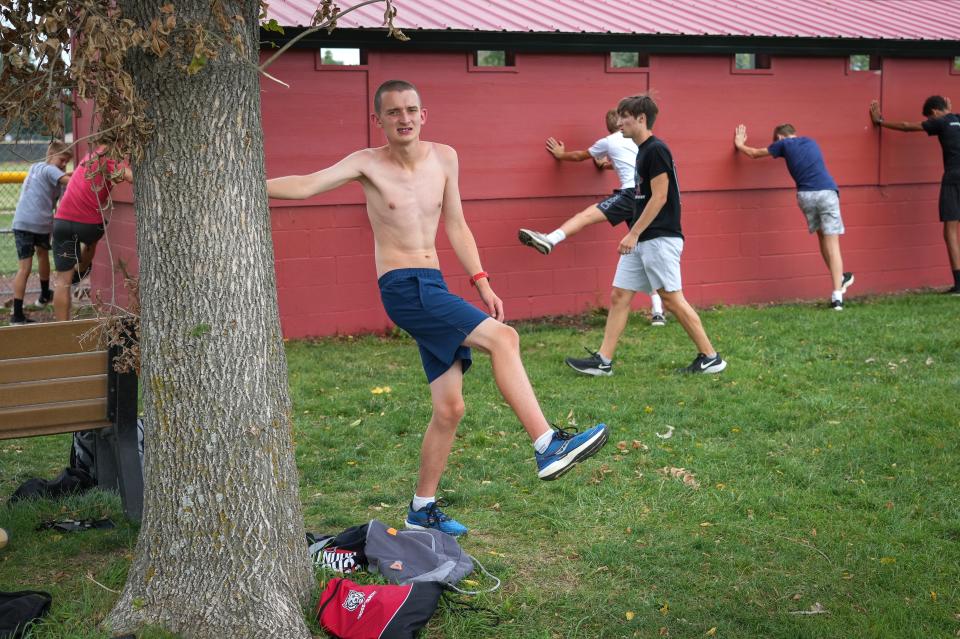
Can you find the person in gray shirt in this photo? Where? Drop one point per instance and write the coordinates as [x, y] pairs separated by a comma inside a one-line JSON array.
[[33, 223]]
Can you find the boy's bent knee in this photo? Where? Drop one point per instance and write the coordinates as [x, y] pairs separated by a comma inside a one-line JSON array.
[[507, 337], [449, 412]]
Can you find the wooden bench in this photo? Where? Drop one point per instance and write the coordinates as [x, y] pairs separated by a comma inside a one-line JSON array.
[[53, 382]]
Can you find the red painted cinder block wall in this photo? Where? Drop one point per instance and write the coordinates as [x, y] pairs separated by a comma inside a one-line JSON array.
[[746, 239]]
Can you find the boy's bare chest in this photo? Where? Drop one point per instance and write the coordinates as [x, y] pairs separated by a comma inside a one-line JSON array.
[[410, 192]]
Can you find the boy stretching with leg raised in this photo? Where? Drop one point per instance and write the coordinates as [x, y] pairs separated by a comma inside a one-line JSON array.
[[613, 151], [409, 186], [817, 196]]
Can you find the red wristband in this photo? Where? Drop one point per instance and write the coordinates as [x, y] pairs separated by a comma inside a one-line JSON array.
[[478, 276]]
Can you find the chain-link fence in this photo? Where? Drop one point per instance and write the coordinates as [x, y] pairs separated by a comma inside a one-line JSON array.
[[9, 194], [11, 178]]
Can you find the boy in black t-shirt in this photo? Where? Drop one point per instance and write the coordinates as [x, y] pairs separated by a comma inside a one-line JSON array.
[[650, 252], [946, 126]]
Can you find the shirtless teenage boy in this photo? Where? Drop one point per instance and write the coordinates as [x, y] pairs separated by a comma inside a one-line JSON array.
[[409, 185]]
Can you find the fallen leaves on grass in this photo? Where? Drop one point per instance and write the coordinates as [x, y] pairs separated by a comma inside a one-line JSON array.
[[380, 390], [886, 561], [668, 434], [629, 615], [682, 474], [712, 632]]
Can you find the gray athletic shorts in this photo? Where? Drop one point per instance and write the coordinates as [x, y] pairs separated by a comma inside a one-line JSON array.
[[653, 265], [822, 209]]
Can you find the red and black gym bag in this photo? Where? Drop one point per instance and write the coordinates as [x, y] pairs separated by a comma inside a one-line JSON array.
[[352, 611]]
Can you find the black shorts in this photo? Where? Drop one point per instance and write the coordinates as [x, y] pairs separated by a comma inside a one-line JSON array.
[[618, 207], [949, 202], [67, 238], [27, 243]]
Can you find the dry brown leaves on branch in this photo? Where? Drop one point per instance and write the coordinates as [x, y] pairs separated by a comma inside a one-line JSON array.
[[121, 326]]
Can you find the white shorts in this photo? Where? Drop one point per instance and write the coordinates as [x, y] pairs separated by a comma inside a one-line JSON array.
[[652, 266]]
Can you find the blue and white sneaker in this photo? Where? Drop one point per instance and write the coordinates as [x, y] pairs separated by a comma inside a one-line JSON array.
[[430, 516], [567, 449]]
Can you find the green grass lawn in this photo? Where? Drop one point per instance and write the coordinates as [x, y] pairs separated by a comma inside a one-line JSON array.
[[824, 459]]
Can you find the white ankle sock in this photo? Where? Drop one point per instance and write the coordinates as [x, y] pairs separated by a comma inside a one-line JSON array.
[[540, 445], [837, 296], [656, 304], [557, 236], [604, 358], [419, 502]]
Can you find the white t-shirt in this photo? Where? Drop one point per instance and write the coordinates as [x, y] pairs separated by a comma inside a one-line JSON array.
[[622, 152]]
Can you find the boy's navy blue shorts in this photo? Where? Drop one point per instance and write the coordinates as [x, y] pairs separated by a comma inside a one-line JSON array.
[[417, 300]]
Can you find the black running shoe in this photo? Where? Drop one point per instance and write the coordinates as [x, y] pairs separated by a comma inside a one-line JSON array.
[[836, 305], [952, 291], [847, 281], [45, 298], [592, 365], [19, 321], [535, 239], [705, 365]]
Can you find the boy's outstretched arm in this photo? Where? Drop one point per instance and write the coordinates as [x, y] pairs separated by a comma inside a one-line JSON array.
[[740, 141], [556, 149], [877, 118], [301, 187]]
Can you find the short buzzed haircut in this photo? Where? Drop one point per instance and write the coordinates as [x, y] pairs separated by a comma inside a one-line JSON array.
[[613, 121], [786, 130], [391, 85], [934, 103], [635, 105], [58, 147]]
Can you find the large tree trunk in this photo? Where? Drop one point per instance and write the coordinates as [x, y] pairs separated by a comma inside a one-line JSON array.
[[221, 551]]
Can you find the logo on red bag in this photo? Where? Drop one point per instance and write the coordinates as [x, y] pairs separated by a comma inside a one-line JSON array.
[[353, 600]]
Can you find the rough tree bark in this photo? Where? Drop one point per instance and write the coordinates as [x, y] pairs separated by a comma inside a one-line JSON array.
[[221, 551]]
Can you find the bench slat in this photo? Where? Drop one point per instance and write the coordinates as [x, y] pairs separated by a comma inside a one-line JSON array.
[[28, 369], [34, 431], [38, 416], [53, 391], [47, 338]]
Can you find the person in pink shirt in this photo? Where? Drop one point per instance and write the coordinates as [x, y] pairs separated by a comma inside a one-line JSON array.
[[79, 223]]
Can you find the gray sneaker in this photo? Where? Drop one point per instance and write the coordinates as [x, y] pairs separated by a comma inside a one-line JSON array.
[[657, 319], [592, 365], [535, 239]]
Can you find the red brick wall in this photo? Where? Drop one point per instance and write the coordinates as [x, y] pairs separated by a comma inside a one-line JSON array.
[[746, 239]]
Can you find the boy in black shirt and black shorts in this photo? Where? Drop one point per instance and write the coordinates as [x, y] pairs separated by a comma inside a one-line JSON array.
[[946, 126], [650, 252]]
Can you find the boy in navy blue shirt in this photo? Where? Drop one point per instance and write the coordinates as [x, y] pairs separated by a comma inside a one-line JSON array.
[[946, 126], [817, 196]]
